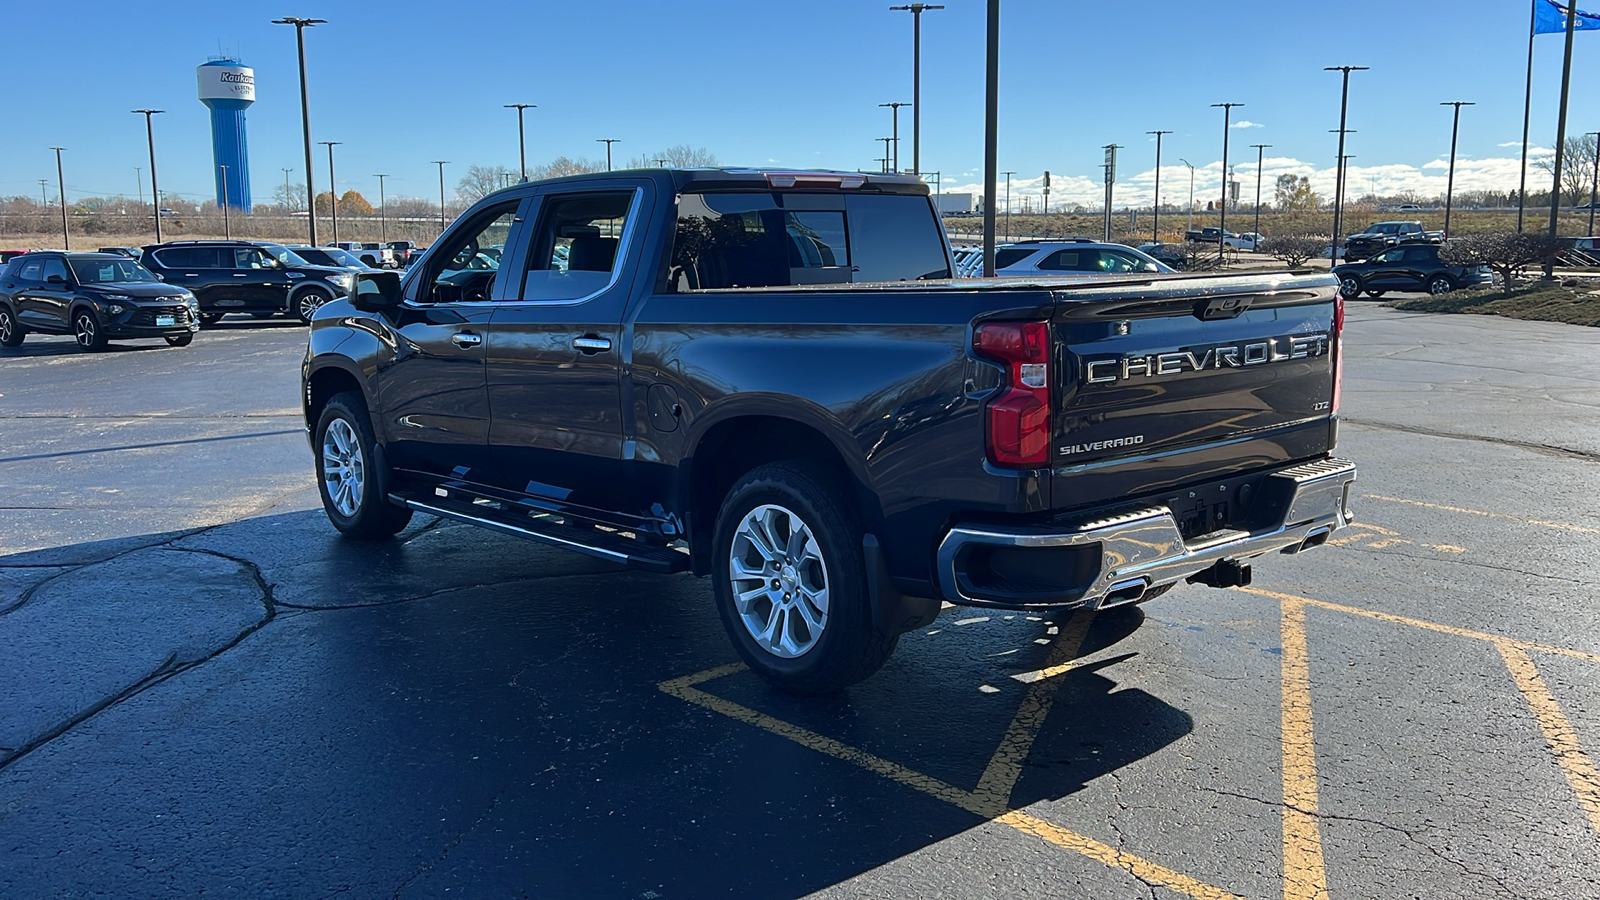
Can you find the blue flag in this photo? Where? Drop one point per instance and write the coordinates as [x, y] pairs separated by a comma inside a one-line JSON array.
[[1550, 17]]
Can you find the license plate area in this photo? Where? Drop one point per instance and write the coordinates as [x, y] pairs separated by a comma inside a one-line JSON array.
[[166, 321]]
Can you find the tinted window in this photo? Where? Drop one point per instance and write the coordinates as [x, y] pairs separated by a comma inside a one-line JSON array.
[[1010, 256], [1423, 255], [190, 258], [1389, 256], [1072, 261], [575, 248], [55, 268], [31, 270], [249, 258], [1113, 261], [109, 271], [895, 238]]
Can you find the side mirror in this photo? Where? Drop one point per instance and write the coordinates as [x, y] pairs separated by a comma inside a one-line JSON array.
[[377, 291], [159, 276], [56, 279]]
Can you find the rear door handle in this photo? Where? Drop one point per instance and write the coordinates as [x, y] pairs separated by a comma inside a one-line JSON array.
[[466, 340], [591, 344]]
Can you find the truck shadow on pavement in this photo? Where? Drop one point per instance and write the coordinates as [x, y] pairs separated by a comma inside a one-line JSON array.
[[456, 711]]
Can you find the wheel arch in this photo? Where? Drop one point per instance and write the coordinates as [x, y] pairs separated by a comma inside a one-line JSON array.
[[327, 378], [726, 446]]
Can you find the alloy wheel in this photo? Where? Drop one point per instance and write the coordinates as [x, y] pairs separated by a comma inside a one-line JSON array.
[[344, 470], [83, 328], [779, 581], [1439, 286]]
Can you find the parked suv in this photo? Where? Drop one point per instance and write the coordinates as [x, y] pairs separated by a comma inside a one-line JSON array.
[[1408, 268], [94, 297], [245, 277]]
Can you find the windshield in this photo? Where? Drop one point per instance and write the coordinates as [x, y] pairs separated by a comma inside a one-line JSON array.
[[343, 257], [283, 255], [109, 271]]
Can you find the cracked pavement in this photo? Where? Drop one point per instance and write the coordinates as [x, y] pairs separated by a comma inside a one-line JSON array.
[[207, 691]]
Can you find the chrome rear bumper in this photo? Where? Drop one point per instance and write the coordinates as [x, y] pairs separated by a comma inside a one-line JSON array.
[[1144, 549]]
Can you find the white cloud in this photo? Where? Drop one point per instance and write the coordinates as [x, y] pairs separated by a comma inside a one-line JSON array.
[[1511, 144], [1246, 123]]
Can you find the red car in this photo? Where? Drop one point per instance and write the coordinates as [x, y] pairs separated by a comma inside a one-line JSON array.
[[9, 255]]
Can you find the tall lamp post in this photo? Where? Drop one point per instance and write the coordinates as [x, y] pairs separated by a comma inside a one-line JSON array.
[[522, 143], [441, 163], [300, 26], [608, 142], [1450, 182], [155, 192], [1191, 191], [991, 127], [333, 190], [1155, 229], [916, 10], [1561, 136], [1594, 181], [1222, 224], [1008, 202], [1338, 190], [227, 222], [383, 211], [1261, 150], [888, 153], [894, 109], [61, 187]]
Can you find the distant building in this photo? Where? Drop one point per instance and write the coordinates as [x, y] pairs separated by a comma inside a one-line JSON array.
[[955, 203]]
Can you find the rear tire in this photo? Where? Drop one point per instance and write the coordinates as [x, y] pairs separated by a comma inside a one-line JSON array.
[[11, 331], [790, 580], [1376, 294], [351, 477]]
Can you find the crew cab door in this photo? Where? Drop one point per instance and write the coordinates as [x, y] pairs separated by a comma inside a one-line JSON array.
[[255, 282], [556, 348], [435, 418]]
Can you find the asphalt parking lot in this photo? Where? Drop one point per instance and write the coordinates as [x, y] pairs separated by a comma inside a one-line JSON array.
[[207, 692]]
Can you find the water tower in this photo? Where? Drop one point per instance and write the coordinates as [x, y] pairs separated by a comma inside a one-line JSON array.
[[228, 88]]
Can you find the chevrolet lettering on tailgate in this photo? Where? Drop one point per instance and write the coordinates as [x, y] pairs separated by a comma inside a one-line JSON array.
[[1229, 356]]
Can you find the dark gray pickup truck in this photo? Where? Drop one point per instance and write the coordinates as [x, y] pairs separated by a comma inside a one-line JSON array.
[[771, 378]]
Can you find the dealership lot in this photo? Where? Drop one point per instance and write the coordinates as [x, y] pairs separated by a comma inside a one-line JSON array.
[[208, 691]]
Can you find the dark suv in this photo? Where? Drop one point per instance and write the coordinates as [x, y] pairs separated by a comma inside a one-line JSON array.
[[94, 297], [1408, 267], [244, 277]]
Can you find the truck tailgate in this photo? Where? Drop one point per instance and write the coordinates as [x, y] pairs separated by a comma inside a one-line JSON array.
[[1168, 387]]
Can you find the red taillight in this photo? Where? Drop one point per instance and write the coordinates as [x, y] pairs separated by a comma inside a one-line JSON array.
[[1338, 351], [1018, 418]]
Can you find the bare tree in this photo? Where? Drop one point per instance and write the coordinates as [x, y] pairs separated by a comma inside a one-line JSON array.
[[1577, 169], [679, 156], [1506, 253], [292, 197], [565, 165], [1294, 249], [481, 181]]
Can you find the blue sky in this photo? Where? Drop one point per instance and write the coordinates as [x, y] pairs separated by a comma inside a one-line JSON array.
[[795, 84]]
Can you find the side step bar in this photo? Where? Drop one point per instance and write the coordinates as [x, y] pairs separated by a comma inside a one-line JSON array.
[[547, 530]]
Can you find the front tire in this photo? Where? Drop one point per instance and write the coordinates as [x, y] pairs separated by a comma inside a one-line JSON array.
[[86, 330], [790, 580], [11, 333], [209, 319], [351, 479], [308, 301], [180, 340], [1350, 286]]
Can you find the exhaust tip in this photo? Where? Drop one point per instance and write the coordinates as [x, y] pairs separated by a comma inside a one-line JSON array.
[[1124, 592]]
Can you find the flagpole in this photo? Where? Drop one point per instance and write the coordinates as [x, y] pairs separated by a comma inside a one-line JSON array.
[[1527, 108], [1561, 133]]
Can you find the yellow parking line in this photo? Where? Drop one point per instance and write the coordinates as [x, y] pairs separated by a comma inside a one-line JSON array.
[[1005, 766], [1420, 623], [685, 688], [1557, 730], [1304, 877], [1581, 529]]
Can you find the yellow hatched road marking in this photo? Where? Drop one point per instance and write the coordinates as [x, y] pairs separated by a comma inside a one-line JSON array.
[[1557, 730], [1581, 529], [990, 800], [1304, 877]]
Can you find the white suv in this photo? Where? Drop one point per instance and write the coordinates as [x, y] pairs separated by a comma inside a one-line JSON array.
[[1070, 258]]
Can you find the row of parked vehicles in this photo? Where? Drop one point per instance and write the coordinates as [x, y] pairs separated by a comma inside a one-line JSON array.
[[170, 290]]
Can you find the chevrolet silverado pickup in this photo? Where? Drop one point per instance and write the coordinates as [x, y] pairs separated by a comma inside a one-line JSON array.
[[1380, 236], [772, 379]]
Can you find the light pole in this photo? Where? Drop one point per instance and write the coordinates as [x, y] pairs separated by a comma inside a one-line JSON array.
[[608, 142], [227, 223], [1008, 202], [383, 210], [1338, 190], [888, 153], [288, 192], [61, 186], [894, 110], [1450, 182], [916, 10], [991, 127], [661, 162], [138, 178], [1191, 191], [1261, 150], [1594, 182], [1155, 229], [155, 192], [42, 195], [522, 143], [333, 190], [1222, 224], [441, 163], [1111, 182], [1561, 137], [300, 26]]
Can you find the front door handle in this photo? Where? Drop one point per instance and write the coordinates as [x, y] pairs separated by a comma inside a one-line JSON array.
[[591, 344], [466, 340]]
